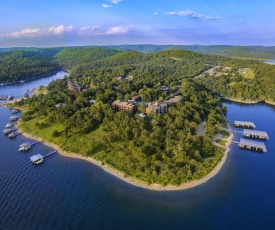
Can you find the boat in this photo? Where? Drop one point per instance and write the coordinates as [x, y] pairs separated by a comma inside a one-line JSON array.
[[9, 125], [15, 111], [11, 135], [7, 131], [37, 159], [25, 146], [9, 98], [13, 118]]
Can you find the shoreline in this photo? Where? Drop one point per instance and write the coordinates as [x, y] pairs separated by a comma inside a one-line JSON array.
[[135, 182], [248, 102]]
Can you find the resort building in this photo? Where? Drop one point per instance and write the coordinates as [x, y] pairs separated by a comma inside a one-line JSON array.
[[136, 98], [174, 100], [73, 86], [122, 105], [157, 108]]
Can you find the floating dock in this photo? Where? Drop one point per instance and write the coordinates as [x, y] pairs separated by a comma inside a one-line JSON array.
[[255, 134], [244, 124], [252, 145], [38, 158]]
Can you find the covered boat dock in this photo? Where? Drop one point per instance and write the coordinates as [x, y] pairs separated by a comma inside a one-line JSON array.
[[256, 134], [252, 145], [244, 124], [37, 159]]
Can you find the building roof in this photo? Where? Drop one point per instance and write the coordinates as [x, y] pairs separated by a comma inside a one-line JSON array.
[[174, 100], [255, 132], [256, 144], [25, 144], [123, 103], [245, 123], [36, 157]]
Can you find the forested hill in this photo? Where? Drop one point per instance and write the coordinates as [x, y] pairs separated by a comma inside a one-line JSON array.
[[25, 65], [69, 57], [257, 52], [172, 64]]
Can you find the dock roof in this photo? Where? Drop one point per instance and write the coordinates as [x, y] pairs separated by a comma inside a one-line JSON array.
[[245, 123], [255, 144], [25, 144], [36, 157], [255, 132]]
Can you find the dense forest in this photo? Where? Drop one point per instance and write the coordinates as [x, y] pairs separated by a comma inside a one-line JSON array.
[[256, 52], [161, 148], [25, 65], [255, 85]]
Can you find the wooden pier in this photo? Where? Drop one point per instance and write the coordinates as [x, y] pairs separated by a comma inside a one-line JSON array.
[[244, 124], [255, 134], [50, 154], [38, 158], [252, 145]]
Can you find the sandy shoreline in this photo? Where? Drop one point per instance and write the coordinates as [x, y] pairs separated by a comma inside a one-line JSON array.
[[248, 102], [135, 182]]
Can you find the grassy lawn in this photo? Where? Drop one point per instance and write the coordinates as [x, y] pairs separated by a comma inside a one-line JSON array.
[[249, 75], [84, 144], [221, 142], [46, 132]]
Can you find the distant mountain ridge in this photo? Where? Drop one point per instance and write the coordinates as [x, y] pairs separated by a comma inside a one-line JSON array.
[[257, 52]]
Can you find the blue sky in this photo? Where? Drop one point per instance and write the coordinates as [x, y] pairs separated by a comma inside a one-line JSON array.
[[103, 22]]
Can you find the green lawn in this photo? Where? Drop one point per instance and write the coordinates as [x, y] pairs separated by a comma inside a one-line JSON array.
[[84, 144], [249, 75]]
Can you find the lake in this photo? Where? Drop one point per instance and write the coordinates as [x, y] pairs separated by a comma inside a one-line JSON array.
[[272, 62], [66, 193]]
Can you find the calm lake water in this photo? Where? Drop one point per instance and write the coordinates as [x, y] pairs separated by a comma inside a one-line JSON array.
[[272, 62], [65, 193]]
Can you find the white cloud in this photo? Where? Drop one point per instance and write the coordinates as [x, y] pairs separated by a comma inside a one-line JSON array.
[[25, 32], [63, 30], [89, 30], [107, 5], [115, 1], [156, 13], [191, 14], [39, 31], [60, 29], [119, 29]]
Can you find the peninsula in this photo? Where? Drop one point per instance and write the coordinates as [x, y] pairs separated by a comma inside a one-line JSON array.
[[139, 116]]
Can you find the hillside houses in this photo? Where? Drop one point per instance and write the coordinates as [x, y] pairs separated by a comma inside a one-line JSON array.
[[123, 105]]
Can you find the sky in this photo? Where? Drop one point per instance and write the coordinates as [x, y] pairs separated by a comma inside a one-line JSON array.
[[46, 23]]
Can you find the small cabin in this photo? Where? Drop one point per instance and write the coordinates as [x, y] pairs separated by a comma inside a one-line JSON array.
[[252, 145], [37, 159], [244, 124], [255, 134]]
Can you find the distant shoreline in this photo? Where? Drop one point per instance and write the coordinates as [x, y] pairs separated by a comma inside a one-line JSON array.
[[248, 102], [135, 182]]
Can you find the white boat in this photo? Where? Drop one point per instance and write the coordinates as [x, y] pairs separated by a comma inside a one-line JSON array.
[[15, 111], [13, 118], [25, 146], [9, 125], [11, 135], [7, 131], [37, 159]]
